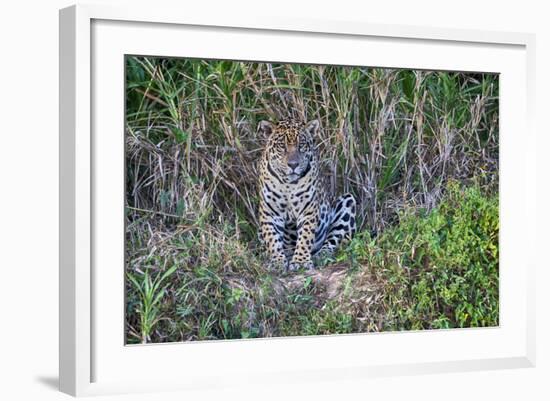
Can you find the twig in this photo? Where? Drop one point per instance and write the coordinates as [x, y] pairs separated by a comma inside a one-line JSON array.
[[137, 209]]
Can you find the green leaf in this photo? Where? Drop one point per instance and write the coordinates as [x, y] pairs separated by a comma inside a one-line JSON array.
[[181, 135]]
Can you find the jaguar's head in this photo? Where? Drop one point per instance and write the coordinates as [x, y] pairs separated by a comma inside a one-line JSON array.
[[291, 147]]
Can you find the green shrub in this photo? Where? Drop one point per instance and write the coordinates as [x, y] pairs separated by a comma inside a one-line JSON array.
[[439, 268]]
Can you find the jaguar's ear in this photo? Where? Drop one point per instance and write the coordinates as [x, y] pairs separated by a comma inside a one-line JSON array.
[[312, 127], [265, 128]]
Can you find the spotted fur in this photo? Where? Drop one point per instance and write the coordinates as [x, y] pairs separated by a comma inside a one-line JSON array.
[[296, 220]]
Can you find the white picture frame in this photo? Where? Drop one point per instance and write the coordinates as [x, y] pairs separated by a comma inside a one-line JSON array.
[[96, 361]]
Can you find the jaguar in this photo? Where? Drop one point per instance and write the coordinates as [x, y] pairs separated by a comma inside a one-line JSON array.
[[297, 220]]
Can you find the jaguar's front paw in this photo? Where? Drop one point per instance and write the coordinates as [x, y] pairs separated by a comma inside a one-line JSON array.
[[292, 267], [278, 263], [295, 265]]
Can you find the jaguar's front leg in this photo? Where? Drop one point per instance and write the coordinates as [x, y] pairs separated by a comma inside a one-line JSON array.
[[307, 224], [272, 234]]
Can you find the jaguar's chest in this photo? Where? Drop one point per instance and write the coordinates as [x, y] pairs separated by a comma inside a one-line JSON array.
[[299, 197]]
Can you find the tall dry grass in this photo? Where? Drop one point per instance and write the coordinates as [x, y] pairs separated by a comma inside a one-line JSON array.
[[391, 137]]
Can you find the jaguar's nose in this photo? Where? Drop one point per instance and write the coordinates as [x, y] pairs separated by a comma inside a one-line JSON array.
[[293, 164]]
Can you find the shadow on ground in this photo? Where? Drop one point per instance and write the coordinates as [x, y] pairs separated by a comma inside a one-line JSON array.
[[51, 382]]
